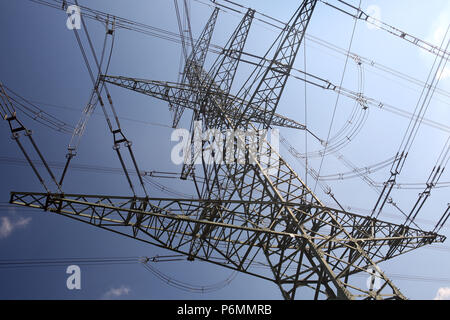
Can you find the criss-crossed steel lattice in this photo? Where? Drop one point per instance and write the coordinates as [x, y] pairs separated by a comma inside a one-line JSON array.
[[234, 236], [194, 64], [256, 212], [184, 96]]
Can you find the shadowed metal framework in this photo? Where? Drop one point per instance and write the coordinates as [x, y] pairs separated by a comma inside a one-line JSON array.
[[253, 212]]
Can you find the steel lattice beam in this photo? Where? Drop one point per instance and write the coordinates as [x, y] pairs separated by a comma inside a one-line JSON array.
[[230, 240], [183, 95]]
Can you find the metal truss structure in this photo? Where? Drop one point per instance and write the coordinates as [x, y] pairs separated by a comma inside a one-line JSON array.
[[252, 212]]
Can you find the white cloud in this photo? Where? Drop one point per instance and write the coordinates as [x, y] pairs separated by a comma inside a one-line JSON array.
[[443, 294], [117, 292], [7, 226]]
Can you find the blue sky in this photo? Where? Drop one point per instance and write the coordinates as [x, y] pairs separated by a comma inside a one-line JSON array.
[[40, 59]]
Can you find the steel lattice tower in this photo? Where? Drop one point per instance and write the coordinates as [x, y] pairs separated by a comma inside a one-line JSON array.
[[250, 212]]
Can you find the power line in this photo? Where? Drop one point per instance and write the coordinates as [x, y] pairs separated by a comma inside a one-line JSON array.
[[337, 102]]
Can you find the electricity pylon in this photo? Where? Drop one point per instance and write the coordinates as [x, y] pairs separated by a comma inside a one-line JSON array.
[[253, 212]]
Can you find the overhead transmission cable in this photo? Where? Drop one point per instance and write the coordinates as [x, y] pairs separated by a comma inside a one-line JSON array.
[[361, 15], [337, 100], [411, 132], [167, 35], [116, 131], [35, 112], [18, 129], [97, 17], [108, 261]]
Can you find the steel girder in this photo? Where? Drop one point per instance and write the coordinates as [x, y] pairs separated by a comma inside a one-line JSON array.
[[237, 234], [183, 95]]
